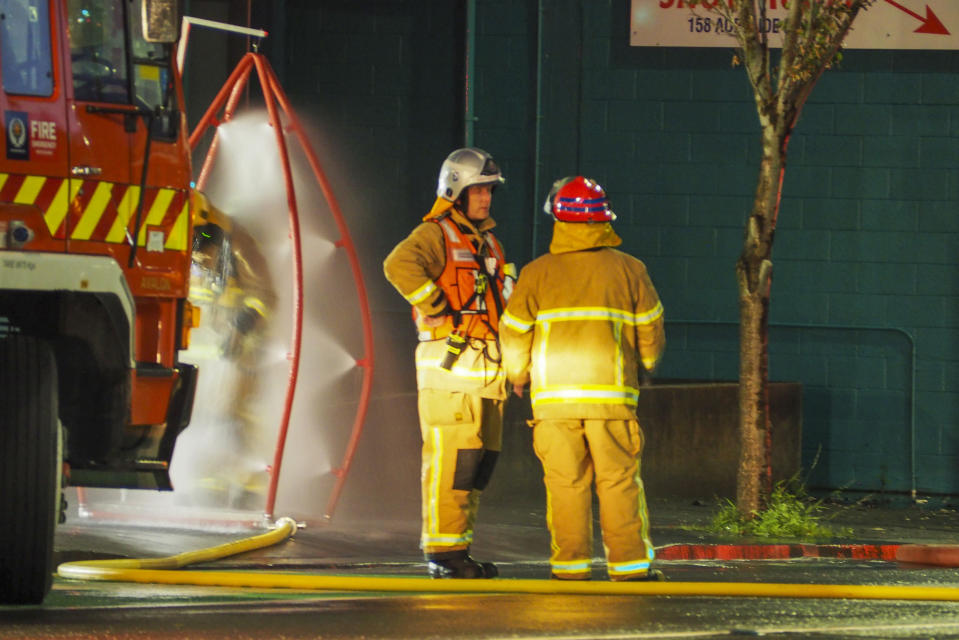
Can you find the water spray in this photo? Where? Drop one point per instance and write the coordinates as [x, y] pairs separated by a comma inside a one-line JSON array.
[[283, 120]]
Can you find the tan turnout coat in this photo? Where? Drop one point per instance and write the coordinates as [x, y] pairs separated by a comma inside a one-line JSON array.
[[582, 322], [413, 267]]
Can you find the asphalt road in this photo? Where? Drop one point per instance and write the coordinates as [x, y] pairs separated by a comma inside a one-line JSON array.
[[121, 610], [77, 609]]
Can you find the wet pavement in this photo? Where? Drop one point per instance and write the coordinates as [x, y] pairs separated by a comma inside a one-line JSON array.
[[514, 537]]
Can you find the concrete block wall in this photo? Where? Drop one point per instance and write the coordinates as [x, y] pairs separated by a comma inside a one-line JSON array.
[[864, 304], [864, 299]]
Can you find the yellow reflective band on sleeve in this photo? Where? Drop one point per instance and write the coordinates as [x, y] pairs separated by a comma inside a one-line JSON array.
[[422, 293], [201, 295], [256, 304], [650, 315], [514, 323], [585, 394]]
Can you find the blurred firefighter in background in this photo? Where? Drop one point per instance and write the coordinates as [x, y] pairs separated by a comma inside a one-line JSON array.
[[451, 269], [230, 283]]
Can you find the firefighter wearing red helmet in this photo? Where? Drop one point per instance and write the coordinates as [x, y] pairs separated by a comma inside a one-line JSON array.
[[453, 272], [582, 327]]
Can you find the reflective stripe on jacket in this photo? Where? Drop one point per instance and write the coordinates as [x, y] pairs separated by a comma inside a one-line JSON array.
[[239, 280], [581, 323], [435, 270]]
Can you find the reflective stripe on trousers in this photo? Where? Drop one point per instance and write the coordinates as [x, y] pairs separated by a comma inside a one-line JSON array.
[[462, 435], [573, 453]]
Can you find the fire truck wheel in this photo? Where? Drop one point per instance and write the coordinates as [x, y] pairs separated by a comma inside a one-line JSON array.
[[29, 468]]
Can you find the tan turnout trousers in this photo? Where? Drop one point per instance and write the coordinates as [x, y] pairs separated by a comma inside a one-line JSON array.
[[462, 436], [573, 453]]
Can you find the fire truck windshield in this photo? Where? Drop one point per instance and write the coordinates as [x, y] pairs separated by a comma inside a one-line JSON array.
[[112, 62], [25, 47], [151, 66], [98, 50]]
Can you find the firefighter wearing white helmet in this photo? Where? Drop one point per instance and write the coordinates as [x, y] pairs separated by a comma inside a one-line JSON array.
[[591, 316], [452, 271]]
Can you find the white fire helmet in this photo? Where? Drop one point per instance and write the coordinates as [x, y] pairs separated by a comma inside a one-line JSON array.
[[464, 168]]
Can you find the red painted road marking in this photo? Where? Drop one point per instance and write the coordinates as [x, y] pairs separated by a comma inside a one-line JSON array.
[[777, 551]]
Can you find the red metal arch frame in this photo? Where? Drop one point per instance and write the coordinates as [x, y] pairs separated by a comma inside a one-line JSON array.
[[276, 101]]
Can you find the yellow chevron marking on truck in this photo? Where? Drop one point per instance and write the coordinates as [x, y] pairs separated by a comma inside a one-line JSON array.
[[94, 211], [157, 211], [125, 211], [57, 210], [178, 234], [27, 194]]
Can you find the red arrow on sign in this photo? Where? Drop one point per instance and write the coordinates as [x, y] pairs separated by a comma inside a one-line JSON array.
[[930, 24]]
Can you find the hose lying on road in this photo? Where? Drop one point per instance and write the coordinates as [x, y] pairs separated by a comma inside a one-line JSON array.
[[92, 569], [156, 571]]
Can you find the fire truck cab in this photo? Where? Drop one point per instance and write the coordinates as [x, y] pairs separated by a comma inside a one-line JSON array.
[[95, 239]]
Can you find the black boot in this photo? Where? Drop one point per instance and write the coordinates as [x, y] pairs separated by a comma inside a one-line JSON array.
[[461, 567]]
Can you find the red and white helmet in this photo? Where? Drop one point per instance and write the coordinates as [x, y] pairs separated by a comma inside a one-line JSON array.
[[578, 199]]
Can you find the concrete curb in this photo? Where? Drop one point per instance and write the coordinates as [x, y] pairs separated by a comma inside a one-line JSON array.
[[886, 552], [939, 555]]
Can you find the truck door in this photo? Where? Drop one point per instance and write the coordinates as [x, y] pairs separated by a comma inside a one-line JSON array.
[[33, 168], [101, 121], [129, 161], [123, 117]]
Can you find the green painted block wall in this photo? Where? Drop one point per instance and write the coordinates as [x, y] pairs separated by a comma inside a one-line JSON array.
[[864, 309], [864, 300]]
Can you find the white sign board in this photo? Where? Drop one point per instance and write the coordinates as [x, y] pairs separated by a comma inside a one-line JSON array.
[[887, 24]]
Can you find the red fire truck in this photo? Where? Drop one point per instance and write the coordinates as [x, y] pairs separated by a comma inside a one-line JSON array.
[[95, 238]]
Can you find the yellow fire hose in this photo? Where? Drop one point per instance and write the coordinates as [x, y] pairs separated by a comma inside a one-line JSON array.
[[156, 571]]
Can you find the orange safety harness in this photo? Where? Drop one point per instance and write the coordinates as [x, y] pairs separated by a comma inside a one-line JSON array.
[[472, 280]]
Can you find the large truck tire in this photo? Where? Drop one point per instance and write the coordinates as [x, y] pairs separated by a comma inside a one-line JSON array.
[[30, 468]]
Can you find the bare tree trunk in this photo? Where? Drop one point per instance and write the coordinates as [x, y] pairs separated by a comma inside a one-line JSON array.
[[752, 483], [754, 274], [813, 34]]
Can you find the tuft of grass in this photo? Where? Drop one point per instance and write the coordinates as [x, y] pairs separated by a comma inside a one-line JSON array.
[[788, 514]]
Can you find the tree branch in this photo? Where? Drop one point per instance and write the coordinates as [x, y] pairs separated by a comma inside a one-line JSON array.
[[805, 59]]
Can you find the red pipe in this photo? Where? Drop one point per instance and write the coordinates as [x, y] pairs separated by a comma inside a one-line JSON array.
[[242, 70], [273, 94], [262, 67], [346, 243]]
